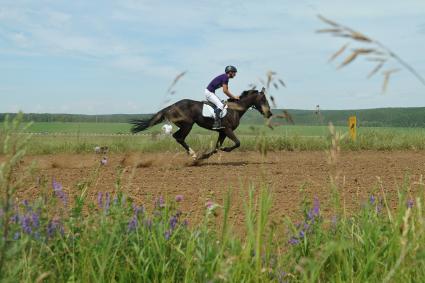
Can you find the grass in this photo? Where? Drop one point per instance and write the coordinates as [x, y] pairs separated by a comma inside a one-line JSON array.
[[244, 129], [57, 238], [292, 138], [80, 138]]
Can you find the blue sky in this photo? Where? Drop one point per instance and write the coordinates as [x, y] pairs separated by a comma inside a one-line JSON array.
[[97, 57]]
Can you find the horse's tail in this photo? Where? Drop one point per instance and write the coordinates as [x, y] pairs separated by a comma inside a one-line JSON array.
[[141, 125]]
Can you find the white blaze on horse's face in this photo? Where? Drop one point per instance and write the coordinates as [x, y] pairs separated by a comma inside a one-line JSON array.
[[263, 105]]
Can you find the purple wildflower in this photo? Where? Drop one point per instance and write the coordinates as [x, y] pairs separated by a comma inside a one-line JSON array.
[[179, 198], [410, 203], [54, 226], [310, 215], [209, 204], [35, 219], [167, 234], [107, 202], [185, 223], [173, 222], [27, 206], [132, 225], [137, 210], [316, 207], [100, 199], [26, 224], [160, 203], [302, 234], [372, 199], [15, 218], [57, 188], [379, 206], [281, 276], [17, 236], [294, 241]]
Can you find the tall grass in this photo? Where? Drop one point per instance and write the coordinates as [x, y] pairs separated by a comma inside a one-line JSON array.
[[370, 139], [60, 238]]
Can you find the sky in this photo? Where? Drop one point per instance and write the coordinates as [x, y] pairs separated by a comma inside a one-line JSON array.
[[104, 57]]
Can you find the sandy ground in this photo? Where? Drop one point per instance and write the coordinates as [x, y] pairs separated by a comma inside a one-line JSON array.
[[144, 177]]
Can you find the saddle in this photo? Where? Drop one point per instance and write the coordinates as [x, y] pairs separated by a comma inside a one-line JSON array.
[[208, 110]]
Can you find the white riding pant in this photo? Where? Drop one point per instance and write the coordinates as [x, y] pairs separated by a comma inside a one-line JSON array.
[[211, 97]]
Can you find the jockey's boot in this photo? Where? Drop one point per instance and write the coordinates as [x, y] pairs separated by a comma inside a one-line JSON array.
[[217, 121]]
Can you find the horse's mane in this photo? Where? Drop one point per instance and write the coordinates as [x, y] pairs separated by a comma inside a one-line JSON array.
[[244, 94], [247, 92]]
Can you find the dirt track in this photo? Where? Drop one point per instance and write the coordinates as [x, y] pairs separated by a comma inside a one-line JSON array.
[[147, 176]]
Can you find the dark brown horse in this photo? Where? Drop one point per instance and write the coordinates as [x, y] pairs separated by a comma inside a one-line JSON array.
[[185, 113]]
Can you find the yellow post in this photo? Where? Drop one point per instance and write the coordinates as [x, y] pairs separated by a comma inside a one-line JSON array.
[[352, 125]]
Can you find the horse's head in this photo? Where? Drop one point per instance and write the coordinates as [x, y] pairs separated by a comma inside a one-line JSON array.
[[259, 101]]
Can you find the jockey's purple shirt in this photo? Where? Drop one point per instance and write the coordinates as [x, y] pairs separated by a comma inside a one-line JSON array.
[[218, 82]]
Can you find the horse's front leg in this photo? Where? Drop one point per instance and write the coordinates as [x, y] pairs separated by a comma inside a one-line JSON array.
[[231, 135], [220, 140]]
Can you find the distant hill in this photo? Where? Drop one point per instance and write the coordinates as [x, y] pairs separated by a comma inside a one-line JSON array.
[[379, 117]]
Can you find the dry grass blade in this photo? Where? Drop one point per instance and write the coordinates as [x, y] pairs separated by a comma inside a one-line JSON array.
[[276, 86], [331, 30], [387, 75], [287, 116], [176, 79], [281, 82], [270, 75], [42, 277], [377, 59], [375, 70], [348, 59], [269, 123], [360, 37], [390, 71], [364, 50], [339, 52], [380, 53], [252, 86], [332, 23], [273, 101]]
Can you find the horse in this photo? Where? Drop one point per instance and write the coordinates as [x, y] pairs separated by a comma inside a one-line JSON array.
[[185, 113]]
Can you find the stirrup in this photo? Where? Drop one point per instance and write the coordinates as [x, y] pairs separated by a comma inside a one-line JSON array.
[[217, 125]]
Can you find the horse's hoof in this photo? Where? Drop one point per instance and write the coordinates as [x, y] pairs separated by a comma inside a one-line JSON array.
[[192, 153]]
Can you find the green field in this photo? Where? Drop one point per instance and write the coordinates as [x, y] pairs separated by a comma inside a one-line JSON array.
[[57, 137], [244, 129]]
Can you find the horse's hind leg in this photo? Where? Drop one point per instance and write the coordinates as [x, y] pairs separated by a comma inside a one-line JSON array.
[[181, 135]]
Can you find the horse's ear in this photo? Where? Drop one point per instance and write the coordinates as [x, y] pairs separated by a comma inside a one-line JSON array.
[[263, 90]]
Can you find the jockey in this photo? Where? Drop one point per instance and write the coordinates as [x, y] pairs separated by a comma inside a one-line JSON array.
[[216, 83]]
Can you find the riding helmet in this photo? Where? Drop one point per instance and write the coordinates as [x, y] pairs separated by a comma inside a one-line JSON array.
[[230, 69]]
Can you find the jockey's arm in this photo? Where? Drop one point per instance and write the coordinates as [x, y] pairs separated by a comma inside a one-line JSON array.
[[227, 92]]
